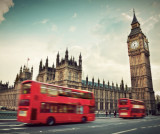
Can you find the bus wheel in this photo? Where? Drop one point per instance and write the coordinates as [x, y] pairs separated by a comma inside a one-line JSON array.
[[84, 119], [50, 121]]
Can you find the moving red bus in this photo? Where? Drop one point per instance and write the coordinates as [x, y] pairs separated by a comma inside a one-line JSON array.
[[50, 104], [130, 108]]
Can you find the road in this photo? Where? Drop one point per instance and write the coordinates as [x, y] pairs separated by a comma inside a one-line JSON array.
[[147, 125]]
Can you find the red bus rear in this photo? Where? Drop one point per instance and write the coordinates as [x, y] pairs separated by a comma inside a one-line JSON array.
[[50, 104], [130, 108]]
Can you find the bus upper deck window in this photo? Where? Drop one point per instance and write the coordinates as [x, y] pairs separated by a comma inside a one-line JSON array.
[[24, 102], [123, 102], [26, 88]]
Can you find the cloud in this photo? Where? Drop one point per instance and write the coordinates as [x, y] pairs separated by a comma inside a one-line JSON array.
[[72, 28], [44, 21], [156, 4], [74, 15], [102, 62], [150, 23], [127, 17], [19, 56], [109, 49], [4, 8]]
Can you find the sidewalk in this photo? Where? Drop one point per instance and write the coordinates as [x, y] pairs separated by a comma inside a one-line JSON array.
[[7, 120]]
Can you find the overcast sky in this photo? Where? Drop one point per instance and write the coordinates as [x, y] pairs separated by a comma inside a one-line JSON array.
[[98, 29]]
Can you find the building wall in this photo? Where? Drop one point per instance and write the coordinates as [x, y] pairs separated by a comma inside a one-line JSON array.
[[106, 96]]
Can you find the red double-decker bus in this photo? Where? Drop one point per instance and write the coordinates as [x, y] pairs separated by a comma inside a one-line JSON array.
[[50, 104], [130, 108]]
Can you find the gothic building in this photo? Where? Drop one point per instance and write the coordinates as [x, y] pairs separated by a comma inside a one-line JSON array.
[[68, 72]]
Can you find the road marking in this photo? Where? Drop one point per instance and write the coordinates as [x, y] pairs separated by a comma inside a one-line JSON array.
[[94, 126], [150, 126], [12, 125], [61, 130], [119, 123], [155, 126], [143, 127], [17, 128], [125, 131], [13, 128], [4, 129], [100, 126]]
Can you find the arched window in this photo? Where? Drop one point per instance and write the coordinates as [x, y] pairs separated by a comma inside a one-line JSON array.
[[61, 76], [76, 76], [69, 75]]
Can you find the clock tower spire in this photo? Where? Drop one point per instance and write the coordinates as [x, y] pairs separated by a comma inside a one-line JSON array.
[[140, 69]]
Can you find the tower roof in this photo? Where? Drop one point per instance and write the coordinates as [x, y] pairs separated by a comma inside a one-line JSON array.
[[134, 18], [135, 28]]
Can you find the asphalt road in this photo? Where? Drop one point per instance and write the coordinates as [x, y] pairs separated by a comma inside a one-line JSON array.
[[147, 125]]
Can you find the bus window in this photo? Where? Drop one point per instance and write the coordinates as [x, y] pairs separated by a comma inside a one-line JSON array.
[[65, 108], [84, 95], [68, 92], [123, 102], [71, 108], [26, 87], [55, 108], [43, 89], [60, 108], [51, 108], [87, 95], [91, 109], [43, 107], [79, 109], [48, 107], [62, 92], [133, 102], [124, 108], [24, 103], [52, 91]]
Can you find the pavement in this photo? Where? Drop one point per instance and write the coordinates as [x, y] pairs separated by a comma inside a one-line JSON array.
[[9, 120]]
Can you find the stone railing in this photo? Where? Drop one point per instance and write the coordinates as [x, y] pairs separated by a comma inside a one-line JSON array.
[[8, 114]]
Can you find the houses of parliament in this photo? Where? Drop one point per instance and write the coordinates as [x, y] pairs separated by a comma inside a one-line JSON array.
[[68, 72]]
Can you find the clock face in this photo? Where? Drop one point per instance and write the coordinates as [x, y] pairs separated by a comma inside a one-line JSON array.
[[146, 45], [134, 44]]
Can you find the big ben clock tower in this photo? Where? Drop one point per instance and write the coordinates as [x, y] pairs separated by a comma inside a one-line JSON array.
[[140, 69]]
